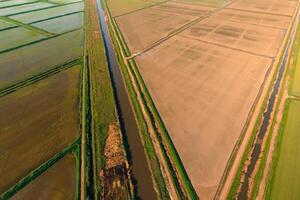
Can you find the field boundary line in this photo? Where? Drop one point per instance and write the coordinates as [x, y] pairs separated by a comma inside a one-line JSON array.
[[39, 170], [58, 16], [22, 4], [179, 30], [37, 41], [130, 71], [259, 12], [28, 27], [139, 9], [38, 77], [228, 47], [29, 11], [82, 112], [266, 90]]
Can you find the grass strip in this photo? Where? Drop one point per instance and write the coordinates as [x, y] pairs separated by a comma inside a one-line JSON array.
[[36, 78], [149, 149], [28, 27], [236, 181], [276, 153], [37, 41], [77, 154], [154, 115], [25, 3], [90, 186], [38, 171], [28, 11], [291, 68]]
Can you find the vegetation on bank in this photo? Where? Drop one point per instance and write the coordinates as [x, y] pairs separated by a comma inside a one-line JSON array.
[[259, 174], [165, 141], [150, 152], [100, 100]]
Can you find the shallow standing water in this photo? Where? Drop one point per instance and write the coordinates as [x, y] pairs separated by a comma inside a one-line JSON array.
[[137, 156], [242, 194]]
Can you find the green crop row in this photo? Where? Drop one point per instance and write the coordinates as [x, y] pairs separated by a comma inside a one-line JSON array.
[[38, 171]]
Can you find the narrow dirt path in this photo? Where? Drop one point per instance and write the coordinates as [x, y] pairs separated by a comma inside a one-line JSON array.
[[83, 92]]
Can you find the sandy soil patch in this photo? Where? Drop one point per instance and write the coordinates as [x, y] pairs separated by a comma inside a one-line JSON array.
[[183, 8], [278, 7], [214, 3], [142, 28], [203, 93], [254, 18], [246, 37], [121, 7]]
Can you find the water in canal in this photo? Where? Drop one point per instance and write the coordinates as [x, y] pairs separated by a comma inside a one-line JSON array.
[[242, 194], [137, 156]]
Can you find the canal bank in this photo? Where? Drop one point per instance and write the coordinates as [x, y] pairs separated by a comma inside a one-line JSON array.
[[262, 133], [134, 146]]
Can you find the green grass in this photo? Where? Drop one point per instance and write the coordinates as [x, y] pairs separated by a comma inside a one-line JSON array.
[[294, 85], [153, 113], [292, 64], [154, 164], [236, 182], [283, 180], [102, 101]]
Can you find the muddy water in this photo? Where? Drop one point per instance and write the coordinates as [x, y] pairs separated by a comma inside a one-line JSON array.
[[242, 195], [137, 157]]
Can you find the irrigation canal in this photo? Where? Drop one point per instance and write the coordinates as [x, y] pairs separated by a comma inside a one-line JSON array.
[[243, 193], [133, 143]]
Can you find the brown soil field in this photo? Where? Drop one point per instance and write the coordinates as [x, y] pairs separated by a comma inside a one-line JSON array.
[[213, 3], [144, 27], [33, 59], [254, 18], [57, 183], [37, 122], [205, 79], [267, 6], [242, 36], [203, 93], [183, 8], [120, 7]]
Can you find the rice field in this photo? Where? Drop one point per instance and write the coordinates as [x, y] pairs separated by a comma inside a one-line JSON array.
[[32, 59], [205, 70], [40, 118], [5, 24], [24, 8], [11, 3], [62, 24], [45, 14], [58, 182], [37, 122], [120, 7], [19, 36]]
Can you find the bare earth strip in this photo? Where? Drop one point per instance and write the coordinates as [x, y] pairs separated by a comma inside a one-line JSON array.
[[58, 182]]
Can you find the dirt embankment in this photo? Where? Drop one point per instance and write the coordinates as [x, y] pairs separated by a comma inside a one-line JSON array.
[[115, 176]]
